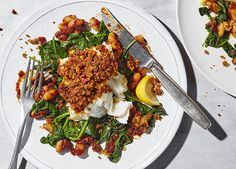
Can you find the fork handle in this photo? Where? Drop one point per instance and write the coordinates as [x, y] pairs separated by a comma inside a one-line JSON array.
[[181, 97], [14, 158]]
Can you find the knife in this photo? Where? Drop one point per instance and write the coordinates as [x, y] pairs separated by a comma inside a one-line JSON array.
[[148, 61]]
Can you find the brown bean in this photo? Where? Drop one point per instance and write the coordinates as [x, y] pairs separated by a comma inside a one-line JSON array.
[[136, 77], [79, 22], [71, 24], [112, 37], [61, 26], [79, 149], [38, 115], [63, 144], [59, 146], [45, 88], [50, 94], [234, 61], [68, 18], [48, 127], [95, 24]]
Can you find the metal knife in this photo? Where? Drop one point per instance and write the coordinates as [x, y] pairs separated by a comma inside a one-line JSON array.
[[147, 60]]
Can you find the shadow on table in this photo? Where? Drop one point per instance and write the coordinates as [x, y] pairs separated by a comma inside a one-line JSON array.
[[181, 135]]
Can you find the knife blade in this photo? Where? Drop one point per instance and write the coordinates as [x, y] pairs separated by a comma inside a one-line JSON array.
[[147, 60]]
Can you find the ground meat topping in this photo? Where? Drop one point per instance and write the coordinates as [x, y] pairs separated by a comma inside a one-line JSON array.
[[85, 75]]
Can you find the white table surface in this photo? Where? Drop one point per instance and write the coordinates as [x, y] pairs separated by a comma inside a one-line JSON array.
[[192, 147]]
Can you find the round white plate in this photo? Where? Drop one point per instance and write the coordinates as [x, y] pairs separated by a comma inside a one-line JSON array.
[[192, 30], [143, 151]]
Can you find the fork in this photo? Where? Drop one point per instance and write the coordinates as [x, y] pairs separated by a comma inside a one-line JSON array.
[[29, 88]]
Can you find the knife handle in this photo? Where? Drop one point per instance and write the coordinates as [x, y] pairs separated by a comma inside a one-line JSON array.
[[181, 97]]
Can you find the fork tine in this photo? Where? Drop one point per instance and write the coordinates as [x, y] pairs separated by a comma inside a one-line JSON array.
[[36, 80], [41, 77], [26, 77], [30, 78]]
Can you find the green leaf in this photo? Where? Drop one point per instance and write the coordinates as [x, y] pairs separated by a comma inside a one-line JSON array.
[[75, 130], [222, 14], [229, 49], [106, 133], [54, 137], [51, 52], [40, 105], [204, 11], [87, 39], [214, 40], [143, 108], [91, 130], [119, 145]]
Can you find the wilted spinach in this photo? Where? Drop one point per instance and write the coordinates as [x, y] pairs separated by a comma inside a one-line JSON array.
[[106, 133], [214, 40], [51, 52], [222, 14], [119, 145], [87, 39], [54, 137], [229, 49], [204, 11], [144, 109]]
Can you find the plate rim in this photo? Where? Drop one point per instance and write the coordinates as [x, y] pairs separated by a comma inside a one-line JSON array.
[[47, 7], [225, 89]]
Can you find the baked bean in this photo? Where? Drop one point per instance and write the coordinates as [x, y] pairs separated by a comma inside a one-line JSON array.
[[45, 88], [50, 94], [136, 77], [95, 24], [48, 127], [42, 40], [112, 37], [38, 115], [234, 61], [71, 24], [79, 22], [68, 18], [79, 149], [62, 145]]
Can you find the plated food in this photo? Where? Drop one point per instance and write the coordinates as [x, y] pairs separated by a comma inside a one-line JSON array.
[[44, 22], [94, 93], [221, 25], [211, 52]]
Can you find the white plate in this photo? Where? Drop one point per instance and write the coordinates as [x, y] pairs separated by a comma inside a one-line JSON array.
[[192, 30], [143, 151]]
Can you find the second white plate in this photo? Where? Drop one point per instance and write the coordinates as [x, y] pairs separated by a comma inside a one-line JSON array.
[[192, 29]]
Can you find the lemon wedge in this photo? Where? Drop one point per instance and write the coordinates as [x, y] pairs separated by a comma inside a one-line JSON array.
[[144, 91]]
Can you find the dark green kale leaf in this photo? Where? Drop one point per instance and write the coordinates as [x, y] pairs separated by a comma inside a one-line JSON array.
[[122, 63], [55, 136], [204, 11], [40, 105], [91, 130], [214, 40], [106, 133], [229, 49], [143, 108], [122, 141], [75, 130], [222, 14], [51, 52], [87, 39]]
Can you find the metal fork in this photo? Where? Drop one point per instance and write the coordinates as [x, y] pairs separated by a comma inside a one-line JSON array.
[[29, 87]]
